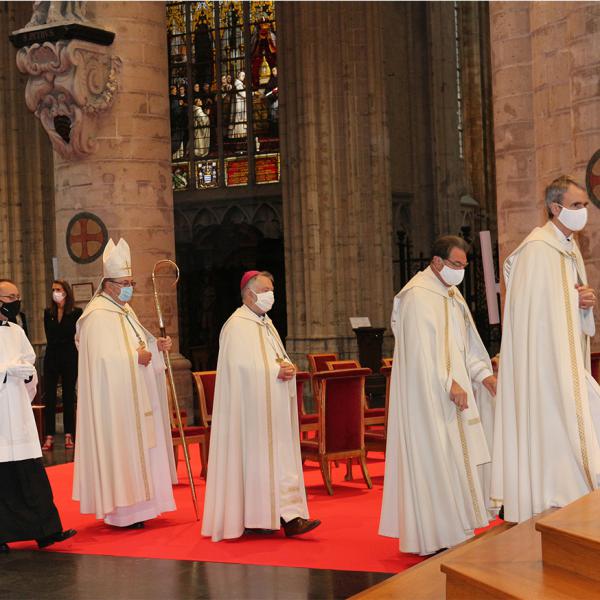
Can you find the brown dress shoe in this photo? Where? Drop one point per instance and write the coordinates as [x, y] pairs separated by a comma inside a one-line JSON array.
[[299, 526]]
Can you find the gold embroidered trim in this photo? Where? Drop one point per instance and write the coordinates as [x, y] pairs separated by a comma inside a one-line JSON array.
[[274, 519], [138, 425], [575, 373], [473, 421], [459, 421]]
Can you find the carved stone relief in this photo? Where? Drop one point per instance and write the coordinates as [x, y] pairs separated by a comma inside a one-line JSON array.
[[73, 75]]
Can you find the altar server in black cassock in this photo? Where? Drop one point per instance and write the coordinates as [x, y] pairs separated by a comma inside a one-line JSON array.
[[27, 510]]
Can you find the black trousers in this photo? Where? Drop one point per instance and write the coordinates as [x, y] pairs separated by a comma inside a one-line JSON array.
[[27, 510], [64, 365]]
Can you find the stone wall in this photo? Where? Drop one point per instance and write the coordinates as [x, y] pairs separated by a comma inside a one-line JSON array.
[[546, 86], [26, 177]]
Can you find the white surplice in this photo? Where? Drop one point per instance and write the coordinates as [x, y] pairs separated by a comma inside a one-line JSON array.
[[124, 464], [433, 494], [546, 451], [254, 467], [18, 434]]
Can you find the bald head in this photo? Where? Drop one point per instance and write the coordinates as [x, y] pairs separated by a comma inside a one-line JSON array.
[[9, 293], [8, 288]]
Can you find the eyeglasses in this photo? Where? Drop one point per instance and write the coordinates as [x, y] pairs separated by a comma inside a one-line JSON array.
[[11, 297], [456, 264], [124, 283]]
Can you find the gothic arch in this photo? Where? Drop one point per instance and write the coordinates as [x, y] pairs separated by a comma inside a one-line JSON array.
[[268, 221]]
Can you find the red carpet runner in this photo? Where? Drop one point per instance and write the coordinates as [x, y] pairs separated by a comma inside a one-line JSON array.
[[346, 540]]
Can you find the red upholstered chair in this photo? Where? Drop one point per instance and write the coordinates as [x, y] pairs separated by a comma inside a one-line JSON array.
[[375, 439], [307, 421], [318, 362], [205, 388], [194, 434], [386, 362], [341, 421], [373, 416], [596, 366]]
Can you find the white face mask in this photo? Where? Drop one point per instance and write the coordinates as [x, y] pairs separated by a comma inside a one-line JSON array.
[[58, 297], [452, 276], [574, 219], [265, 300]]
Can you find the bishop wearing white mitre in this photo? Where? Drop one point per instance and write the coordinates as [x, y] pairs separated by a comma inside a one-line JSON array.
[[124, 464]]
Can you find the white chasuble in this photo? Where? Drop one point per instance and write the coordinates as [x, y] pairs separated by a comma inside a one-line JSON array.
[[433, 494], [18, 434], [124, 465], [546, 452], [254, 466]]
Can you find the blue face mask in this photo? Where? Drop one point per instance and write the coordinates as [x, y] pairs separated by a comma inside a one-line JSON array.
[[126, 293]]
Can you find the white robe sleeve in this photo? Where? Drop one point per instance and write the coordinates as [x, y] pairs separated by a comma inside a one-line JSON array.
[[478, 360]]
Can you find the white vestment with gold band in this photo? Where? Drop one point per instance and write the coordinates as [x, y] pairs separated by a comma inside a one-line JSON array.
[[546, 451], [254, 466], [433, 495]]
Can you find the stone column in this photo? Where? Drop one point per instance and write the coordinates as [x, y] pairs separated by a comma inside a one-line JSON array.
[[26, 199], [336, 181], [545, 70], [127, 180]]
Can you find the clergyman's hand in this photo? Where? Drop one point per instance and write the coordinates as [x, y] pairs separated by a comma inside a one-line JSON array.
[[490, 384], [144, 356], [458, 396], [587, 296], [164, 344], [286, 371]]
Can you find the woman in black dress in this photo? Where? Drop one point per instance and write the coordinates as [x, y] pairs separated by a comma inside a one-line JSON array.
[[60, 361]]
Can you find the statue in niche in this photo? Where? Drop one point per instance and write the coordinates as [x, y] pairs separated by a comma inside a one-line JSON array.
[[47, 12]]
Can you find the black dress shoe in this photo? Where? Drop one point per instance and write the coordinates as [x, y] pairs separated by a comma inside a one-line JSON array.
[[138, 525], [61, 536], [259, 531], [299, 526], [4, 548]]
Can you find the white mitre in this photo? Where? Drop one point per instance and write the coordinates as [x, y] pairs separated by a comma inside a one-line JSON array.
[[116, 260]]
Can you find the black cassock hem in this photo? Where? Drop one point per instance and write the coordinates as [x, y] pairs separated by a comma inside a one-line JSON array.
[[27, 510]]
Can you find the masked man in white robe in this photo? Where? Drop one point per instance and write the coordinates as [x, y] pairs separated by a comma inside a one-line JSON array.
[[255, 482], [546, 452], [27, 510], [433, 494], [124, 463]]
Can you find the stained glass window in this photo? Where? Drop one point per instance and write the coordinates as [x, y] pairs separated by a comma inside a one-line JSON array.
[[223, 93]]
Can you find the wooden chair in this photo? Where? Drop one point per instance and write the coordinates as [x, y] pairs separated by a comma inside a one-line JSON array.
[[194, 434], [318, 362], [204, 382], [373, 416], [341, 421], [375, 439], [306, 421], [596, 366], [386, 362]]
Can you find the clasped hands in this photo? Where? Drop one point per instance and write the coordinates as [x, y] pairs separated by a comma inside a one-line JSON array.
[[286, 371], [459, 396], [587, 296], [22, 370], [145, 356]]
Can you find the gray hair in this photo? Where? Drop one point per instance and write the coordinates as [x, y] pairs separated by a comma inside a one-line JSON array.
[[253, 279], [555, 191]]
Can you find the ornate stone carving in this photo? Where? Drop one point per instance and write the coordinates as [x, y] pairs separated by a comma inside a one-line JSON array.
[[70, 83]]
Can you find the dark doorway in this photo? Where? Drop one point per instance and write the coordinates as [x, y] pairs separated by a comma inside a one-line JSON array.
[[211, 268]]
